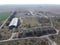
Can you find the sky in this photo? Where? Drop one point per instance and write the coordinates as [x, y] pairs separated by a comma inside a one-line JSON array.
[[3, 2]]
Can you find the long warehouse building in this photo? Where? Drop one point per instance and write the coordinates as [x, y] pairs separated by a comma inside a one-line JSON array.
[[14, 23]]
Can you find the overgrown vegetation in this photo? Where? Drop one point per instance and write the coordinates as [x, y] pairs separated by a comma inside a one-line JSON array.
[[34, 41], [56, 24]]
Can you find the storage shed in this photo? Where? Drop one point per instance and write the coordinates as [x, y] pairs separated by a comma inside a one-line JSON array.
[[13, 23]]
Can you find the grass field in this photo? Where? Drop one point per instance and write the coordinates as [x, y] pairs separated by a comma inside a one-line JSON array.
[[4, 15], [33, 21]]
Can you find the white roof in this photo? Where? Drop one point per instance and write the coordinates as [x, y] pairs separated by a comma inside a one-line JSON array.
[[14, 22]]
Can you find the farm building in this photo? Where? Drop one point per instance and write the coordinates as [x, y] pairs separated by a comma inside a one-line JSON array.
[[14, 23]]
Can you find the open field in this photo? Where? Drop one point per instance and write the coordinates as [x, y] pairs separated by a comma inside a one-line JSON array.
[[4, 15], [33, 21]]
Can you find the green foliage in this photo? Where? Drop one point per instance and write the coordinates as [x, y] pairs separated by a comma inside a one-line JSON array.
[[4, 15]]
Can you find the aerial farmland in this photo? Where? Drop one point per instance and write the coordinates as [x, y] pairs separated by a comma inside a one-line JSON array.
[[29, 26]]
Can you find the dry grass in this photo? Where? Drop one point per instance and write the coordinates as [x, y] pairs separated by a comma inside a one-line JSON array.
[[32, 21], [33, 41]]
